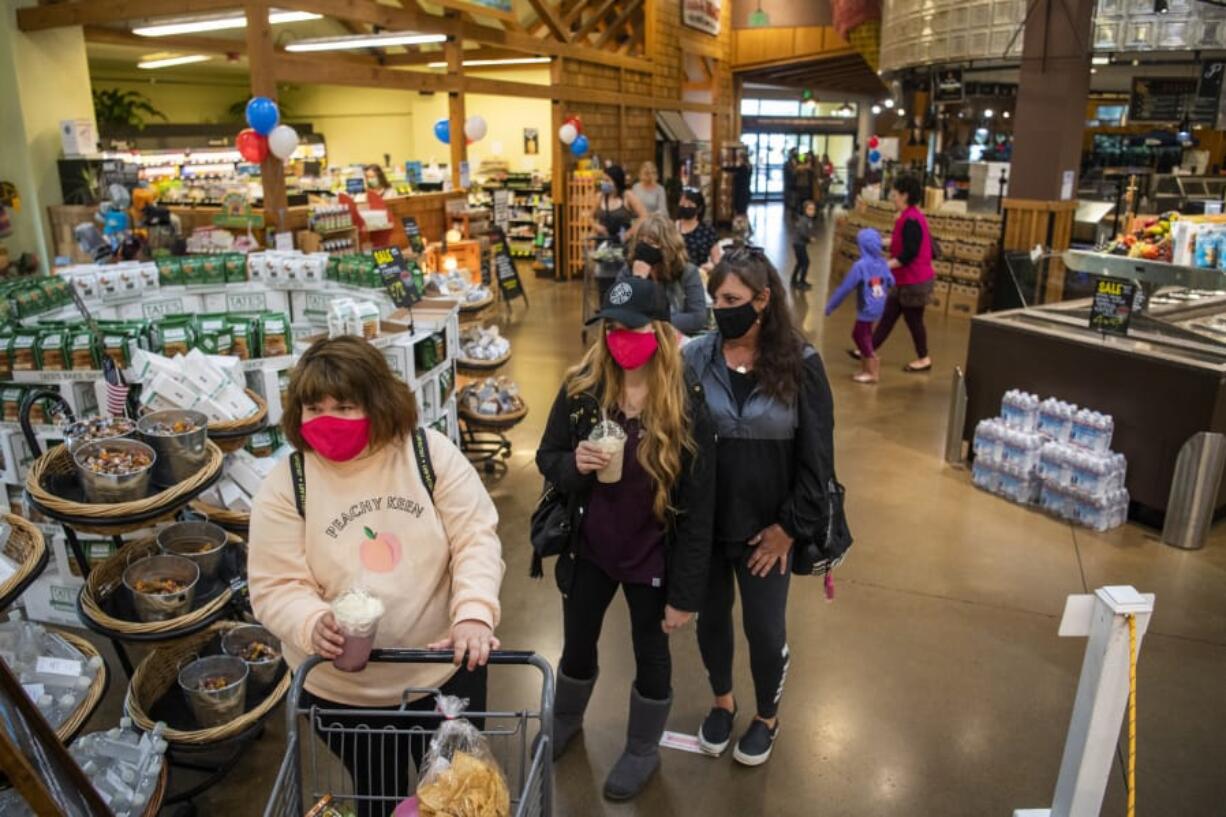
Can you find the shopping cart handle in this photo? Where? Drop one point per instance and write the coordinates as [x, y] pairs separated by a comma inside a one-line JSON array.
[[403, 656]]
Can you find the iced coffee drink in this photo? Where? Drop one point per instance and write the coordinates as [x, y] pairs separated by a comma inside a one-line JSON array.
[[611, 439], [357, 613]]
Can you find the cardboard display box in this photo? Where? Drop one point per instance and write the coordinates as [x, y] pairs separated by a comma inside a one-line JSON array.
[[940, 297], [966, 301]]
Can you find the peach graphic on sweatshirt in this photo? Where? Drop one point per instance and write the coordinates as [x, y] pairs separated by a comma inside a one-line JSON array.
[[380, 552]]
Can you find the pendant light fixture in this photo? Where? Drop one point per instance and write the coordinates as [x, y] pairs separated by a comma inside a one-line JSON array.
[[759, 18]]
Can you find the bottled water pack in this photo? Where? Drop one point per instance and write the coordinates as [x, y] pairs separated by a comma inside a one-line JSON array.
[[53, 673], [998, 443], [1056, 419], [1101, 512], [1020, 410], [1092, 430], [1072, 467]]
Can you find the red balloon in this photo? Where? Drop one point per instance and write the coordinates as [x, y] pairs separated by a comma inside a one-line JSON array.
[[873, 141], [252, 146], [574, 119]]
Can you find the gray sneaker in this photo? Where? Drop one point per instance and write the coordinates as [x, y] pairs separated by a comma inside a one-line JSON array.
[[754, 747]]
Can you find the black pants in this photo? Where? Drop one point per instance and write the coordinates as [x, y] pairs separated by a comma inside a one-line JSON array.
[[801, 273], [914, 316], [379, 766], [583, 616], [764, 602]]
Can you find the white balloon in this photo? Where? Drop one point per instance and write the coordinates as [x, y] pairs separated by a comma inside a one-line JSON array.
[[282, 141], [475, 128], [567, 133]]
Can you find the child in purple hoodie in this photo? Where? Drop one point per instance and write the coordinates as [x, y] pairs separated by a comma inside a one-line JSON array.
[[872, 280]]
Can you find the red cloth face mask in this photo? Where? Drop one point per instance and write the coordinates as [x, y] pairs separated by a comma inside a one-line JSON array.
[[337, 438], [631, 349]]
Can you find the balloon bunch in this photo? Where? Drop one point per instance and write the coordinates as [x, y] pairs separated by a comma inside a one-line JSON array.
[[874, 155], [475, 128], [266, 134], [571, 133]]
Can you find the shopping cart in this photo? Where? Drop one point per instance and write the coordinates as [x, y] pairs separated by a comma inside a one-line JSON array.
[[310, 771]]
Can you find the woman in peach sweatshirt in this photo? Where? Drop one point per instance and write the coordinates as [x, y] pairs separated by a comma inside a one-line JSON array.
[[364, 516]]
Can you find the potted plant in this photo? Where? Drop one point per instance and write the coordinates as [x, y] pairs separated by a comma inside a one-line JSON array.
[[123, 108]]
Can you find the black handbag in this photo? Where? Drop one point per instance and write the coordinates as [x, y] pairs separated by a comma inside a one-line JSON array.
[[816, 558], [552, 526]]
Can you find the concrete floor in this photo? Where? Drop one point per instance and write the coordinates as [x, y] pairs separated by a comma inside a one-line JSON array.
[[935, 684]]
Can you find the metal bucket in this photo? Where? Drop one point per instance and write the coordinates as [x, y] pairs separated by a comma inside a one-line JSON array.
[[202, 542], [215, 707], [162, 606], [263, 673], [107, 488], [180, 455], [94, 429]]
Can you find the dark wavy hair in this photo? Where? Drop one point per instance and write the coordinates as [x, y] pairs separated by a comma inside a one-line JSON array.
[[910, 187], [618, 175], [694, 195], [780, 360]]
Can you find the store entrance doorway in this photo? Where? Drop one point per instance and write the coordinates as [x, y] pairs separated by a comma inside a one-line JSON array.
[[768, 151]]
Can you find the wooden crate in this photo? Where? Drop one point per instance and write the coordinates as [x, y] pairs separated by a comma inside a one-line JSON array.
[[582, 197]]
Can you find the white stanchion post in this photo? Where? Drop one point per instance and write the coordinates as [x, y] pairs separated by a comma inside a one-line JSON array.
[[1102, 696]]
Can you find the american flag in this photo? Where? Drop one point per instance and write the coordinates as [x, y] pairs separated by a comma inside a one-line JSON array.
[[116, 389]]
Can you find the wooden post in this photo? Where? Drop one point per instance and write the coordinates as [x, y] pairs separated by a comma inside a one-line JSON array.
[[716, 135], [454, 49], [557, 152], [260, 56]]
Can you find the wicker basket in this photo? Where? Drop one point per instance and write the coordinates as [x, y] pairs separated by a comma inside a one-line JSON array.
[[476, 306], [159, 792], [116, 517], [496, 421], [234, 521], [107, 579], [471, 364], [27, 548], [233, 434], [93, 696], [159, 672]]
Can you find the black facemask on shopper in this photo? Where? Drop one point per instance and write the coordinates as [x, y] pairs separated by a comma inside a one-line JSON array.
[[648, 254], [687, 212], [735, 321]]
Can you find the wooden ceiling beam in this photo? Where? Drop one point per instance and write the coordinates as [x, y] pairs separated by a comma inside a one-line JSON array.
[[571, 14], [618, 22], [425, 57], [550, 19], [597, 16], [98, 12]]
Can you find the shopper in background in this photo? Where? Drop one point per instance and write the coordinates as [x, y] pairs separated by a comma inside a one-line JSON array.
[[805, 233], [742, 182], [376, 180], [871, 279], [789, 181], [911, 261], [649, 191], [658, 252], [648, 533], [423, 539], [768, 395], [616, 210], [699, 236]]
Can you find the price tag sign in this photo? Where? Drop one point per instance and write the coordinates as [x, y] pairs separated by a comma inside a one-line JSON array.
[[1111, 309], [355, 187], [49, 665], [508, 276], [393, 269]]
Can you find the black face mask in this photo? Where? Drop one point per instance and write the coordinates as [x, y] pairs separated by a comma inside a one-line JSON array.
[[735, 321], [648, 254], [687, 212]]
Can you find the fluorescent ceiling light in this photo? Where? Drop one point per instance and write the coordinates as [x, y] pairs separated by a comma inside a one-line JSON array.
[[384, 40], [508, 61], [167, 62], [228, 21], [1100, 61]]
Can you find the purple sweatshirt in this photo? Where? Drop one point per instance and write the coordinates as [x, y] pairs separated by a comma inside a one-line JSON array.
[[870, 277]]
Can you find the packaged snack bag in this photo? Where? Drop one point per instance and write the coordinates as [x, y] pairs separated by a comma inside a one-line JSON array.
[[236, 268], [244, 340], [83, 349], [21, 350], [274, 334], [170, 271], [52, 350], [460, 777]]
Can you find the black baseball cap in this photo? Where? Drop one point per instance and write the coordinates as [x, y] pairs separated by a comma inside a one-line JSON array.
[[634, 302]]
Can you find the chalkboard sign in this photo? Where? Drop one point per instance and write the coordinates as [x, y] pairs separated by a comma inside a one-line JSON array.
[[1111, 309], [947, 86], [412, 231], [1170, 99], [1209, 92], [393, 269], [508, 276]]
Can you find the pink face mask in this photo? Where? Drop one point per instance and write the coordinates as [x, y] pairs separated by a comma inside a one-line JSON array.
[[337, 438], [631, 349]]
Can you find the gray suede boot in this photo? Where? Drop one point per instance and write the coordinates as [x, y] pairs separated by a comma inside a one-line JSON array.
[[570, 702], [642, 755]]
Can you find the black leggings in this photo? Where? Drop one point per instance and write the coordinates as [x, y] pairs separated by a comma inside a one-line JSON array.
[[379, 765], [801, 273], [583, 615], [914, 316], [764, 604]]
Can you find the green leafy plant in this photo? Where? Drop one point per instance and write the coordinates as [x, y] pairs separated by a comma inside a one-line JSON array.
[[115, 107]]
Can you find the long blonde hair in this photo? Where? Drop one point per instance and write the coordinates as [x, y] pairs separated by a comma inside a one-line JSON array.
[[663, 233], [665, 421]]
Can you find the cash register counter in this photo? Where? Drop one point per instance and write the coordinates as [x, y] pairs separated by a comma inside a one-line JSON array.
[[1162, 383]]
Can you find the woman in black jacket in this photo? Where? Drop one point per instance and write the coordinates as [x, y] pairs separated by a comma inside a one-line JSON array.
[[648, 532], [770, 401]]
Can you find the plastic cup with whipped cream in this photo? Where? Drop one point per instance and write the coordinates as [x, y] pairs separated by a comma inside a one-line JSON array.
[[357, 613], [611, 439]]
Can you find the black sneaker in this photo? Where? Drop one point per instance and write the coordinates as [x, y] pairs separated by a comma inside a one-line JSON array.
[[716, 731], [754, 747]]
